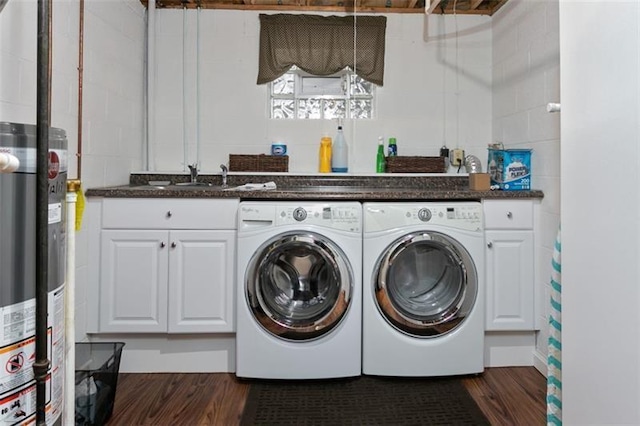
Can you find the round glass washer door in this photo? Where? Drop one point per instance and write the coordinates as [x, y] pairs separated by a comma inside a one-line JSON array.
[[299, 285], [425, 284]]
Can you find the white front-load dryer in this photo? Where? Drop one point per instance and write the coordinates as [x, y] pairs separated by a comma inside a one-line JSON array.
[[299, 292], [423, 289]]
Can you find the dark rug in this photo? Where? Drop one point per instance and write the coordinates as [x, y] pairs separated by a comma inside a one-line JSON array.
[[364, 400]]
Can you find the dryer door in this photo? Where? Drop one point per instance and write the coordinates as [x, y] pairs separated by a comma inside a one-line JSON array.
[[425, 284], [299, 285]]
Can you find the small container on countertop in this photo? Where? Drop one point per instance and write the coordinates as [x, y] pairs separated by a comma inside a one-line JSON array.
[[278, 148]]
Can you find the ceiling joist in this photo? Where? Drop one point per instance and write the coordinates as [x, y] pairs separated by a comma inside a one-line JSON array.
[[461, 7]]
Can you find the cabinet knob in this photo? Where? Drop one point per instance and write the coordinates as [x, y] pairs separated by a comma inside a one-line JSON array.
[[162, 244], [489, 244], [509, 215], [173, 244], [169, 214]]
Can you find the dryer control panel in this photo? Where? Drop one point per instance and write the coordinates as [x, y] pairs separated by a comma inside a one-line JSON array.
[[384, 216]]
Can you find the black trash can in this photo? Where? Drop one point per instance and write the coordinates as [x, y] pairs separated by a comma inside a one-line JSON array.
[[97, 367]]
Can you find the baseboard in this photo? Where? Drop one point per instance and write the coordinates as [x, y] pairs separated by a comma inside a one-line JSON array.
[[175, 353], [540, 362], [509, 348]]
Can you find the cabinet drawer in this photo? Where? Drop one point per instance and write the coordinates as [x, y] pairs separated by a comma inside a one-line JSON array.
[[147, 213], [508, 214]]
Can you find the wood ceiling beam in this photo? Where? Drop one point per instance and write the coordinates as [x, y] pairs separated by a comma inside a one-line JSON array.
[[430, 5], [466, 7], [498, 6], [474, 4]]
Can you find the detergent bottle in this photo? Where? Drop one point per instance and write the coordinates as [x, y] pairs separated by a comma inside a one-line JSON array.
[[340, 152], [380, 160], [325, 155]]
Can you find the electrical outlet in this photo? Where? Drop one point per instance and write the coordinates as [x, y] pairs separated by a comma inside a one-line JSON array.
[[457, 157]]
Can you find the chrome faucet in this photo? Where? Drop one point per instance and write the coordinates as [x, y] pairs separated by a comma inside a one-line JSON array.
[[225, 170], [193, 169]]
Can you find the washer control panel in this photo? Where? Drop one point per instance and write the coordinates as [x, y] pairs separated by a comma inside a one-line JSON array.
[[347, 216]]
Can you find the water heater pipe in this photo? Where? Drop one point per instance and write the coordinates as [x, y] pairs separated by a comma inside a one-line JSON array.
[[73, 186], [80, 87], [43, 110]]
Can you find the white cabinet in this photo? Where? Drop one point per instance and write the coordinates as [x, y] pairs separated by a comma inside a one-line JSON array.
[[167, 265], [133, 281], [510, 281]]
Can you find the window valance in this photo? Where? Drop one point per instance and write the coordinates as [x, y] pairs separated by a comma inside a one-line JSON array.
[[322, 45]]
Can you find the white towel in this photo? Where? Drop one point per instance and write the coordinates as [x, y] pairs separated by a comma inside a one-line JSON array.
[[256, 186]]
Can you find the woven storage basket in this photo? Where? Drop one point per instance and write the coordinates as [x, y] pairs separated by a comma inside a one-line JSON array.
[[404, 164], [258, 163]]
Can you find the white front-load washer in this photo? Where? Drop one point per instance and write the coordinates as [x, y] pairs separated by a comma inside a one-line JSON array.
[[423, 289], [299, 292]]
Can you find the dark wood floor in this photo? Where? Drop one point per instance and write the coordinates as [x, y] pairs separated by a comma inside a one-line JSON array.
[[507, 396]]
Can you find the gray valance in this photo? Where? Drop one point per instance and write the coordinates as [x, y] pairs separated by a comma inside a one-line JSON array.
[[322, 45]]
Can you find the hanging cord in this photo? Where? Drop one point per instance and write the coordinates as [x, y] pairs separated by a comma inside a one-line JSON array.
[[185, 138], [198, 83], [455, 22], [355, 72], [444, 151]]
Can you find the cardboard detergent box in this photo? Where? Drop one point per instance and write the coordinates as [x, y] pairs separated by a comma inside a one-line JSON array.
[[510, 169]]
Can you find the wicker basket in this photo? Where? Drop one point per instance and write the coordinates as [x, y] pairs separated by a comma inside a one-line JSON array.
[[258, 163], [403, 164]]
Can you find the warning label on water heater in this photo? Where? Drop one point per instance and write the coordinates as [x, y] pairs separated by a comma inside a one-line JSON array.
[[18, 355]]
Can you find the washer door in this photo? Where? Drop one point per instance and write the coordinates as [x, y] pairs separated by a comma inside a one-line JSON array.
[[299, 285], [425, 284]]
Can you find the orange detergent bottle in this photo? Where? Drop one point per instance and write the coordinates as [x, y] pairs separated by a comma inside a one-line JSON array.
[[325, 155]]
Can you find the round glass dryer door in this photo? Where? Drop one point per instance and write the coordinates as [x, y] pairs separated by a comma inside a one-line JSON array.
[[425, 284], [299, 285]]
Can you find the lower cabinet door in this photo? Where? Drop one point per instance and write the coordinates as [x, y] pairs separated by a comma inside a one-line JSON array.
[[201, 281], [133, 281], [510, 280]]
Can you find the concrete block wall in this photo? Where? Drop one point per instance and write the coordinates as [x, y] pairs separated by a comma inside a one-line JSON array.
[[526, 76], [113, 95], [437, 90]]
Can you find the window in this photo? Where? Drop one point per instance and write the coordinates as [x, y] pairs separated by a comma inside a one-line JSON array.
[[300, 95]]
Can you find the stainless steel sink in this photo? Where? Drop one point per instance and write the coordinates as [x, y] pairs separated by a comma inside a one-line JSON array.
[[180, 186], [149, 187], [192, 184]]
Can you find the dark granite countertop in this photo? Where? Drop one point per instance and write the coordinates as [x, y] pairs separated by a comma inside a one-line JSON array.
[[288, 187]]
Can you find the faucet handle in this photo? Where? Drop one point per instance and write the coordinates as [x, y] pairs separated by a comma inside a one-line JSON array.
[[224, 170]]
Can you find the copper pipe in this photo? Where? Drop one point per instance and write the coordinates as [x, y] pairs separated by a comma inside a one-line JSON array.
[[80, 84], [50, 68]]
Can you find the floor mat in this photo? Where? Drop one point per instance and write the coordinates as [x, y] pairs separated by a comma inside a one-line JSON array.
[[364, 400]]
